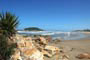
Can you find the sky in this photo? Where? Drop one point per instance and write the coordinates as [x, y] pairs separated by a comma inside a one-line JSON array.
[[50, 14]]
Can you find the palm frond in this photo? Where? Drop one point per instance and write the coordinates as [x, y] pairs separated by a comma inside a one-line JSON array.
[[9, 23]]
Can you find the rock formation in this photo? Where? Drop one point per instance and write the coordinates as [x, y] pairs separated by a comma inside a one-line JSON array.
[[28, 49]]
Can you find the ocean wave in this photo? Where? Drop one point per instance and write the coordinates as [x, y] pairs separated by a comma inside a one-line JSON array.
[[46, 32], [55, 34]]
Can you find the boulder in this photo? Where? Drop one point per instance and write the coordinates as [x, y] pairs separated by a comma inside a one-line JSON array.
[[83, 56], [20, 44], [25, 43], [16, 55], [63, 57], [29, 44], [45, 53], [52, 49], [40, 42], [43, 40], [33, 54]]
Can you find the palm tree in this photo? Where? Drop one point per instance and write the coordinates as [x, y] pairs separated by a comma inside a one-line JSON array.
[[8, 23]]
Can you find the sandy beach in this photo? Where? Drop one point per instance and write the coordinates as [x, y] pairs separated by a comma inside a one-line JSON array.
[[73, 48]]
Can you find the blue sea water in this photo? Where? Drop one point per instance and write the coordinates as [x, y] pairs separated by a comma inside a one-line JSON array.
[[56, 34]]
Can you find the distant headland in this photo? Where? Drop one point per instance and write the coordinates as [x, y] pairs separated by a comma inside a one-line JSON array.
[[85, 30], [33, 29]]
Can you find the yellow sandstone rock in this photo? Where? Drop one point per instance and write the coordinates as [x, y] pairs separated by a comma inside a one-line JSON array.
[[20, 44], [16, 55], [27, 49], [52, 49], [43, 40], [29, 44], [45, 53], [33, 54]]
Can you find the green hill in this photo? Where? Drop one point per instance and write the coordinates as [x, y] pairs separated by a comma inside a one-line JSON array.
[[33, 29], [85, 30]]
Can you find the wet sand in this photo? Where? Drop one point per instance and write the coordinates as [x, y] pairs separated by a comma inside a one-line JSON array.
[[73, 47]]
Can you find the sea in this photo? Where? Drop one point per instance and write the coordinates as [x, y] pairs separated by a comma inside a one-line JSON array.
[[57, 34]]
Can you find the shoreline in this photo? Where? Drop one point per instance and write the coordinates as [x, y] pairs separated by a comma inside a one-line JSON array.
[[74, 47], [61, 35]]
